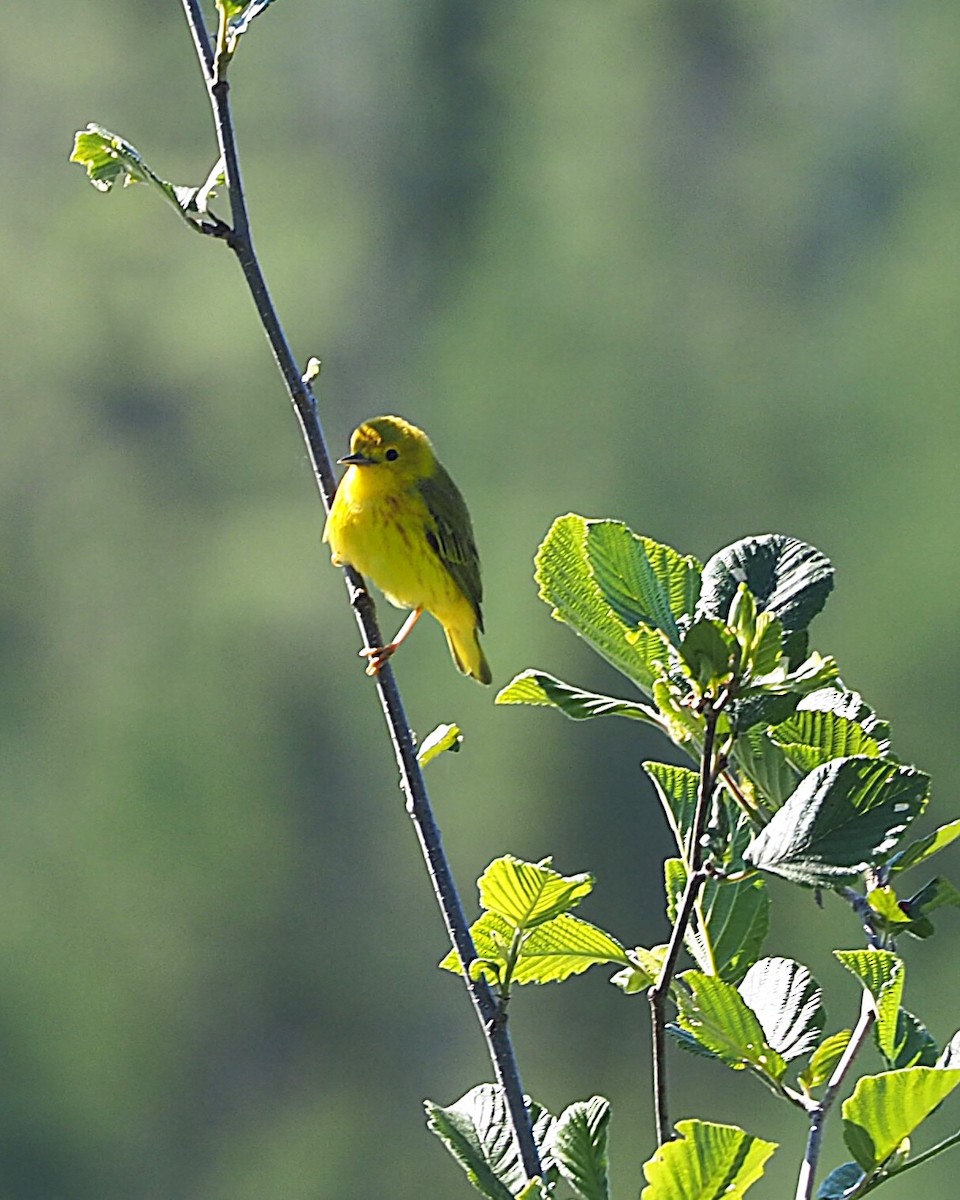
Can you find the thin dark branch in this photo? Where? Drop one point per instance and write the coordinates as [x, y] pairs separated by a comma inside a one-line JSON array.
[[696, 877], [411, 777], [818, 1116]]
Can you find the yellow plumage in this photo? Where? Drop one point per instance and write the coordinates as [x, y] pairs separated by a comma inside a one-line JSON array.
[[399, 519]]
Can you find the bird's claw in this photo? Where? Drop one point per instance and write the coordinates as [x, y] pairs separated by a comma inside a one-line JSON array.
[[377, 655]]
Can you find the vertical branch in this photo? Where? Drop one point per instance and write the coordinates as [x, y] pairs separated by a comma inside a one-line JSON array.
[[868, 1017], [411, 777], [696, 877], [818, 1116]]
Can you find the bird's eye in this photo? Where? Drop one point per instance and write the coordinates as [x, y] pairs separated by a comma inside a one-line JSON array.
[[391, 454]]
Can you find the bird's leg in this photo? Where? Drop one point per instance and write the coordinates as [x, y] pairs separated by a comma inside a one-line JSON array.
[[380, 655]]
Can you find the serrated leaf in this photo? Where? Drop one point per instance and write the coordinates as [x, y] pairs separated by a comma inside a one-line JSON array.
[[579, 1146], [644, 970], [789, 579], [843, 818], [614, 589], [715, 1015], [706, 1162], [786, 1000], [882, 973], [824, 1060], [850, 705], [478, 1132], [549, 953], [538, 688], [728, 924], [441, 739], [676, 788], [812, 738], [885, 1109], [840, 1182], [924, 848], [527, 894]]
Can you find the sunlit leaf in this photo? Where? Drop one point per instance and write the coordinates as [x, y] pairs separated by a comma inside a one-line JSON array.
[[715, 1015], [885, 1109], [441, 739], [707, 1161], [527, 894], [618, 591], [538, 688], [549, 953], [824, 1060], [924, 848], [882, 973], [786, 1000]]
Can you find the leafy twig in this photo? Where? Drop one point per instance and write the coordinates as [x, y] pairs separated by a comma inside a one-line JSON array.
[[417, 801]]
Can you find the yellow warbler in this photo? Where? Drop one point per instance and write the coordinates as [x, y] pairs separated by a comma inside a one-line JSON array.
[[399, 518]]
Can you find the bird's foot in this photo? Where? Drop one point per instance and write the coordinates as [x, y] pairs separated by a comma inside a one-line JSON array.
[[378, 656]]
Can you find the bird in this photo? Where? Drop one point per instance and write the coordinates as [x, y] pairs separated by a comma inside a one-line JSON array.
[[399, 519]]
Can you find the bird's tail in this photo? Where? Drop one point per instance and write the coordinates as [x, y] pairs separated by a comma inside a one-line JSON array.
[[467, 653]]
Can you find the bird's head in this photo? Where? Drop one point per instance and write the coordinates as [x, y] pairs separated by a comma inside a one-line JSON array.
[[391, 444]]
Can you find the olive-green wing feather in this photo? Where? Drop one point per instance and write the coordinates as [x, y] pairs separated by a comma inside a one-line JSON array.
[[451, 535]]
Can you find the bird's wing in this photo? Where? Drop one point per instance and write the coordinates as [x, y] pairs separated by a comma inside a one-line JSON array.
[[450, 534]]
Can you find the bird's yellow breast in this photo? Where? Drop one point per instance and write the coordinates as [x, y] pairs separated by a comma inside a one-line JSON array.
[[382, 531]]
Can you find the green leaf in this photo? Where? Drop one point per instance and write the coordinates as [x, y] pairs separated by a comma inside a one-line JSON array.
[[789, 579], [443, 738], [914, 1045], [766, 766], [710, 654], [539, 688], [707, 1162], [478, 1132], [919, 851], [549, 953], [932, 895], [579, 1145], [840, 1182], [785, 998], [616, 590], [715, 1015], [824, 1060], [885, 1109], [728, 924], [811, 738], [527, 894], [882, 973], [110, 160], [843, 818], [677, 789], [644, 970]]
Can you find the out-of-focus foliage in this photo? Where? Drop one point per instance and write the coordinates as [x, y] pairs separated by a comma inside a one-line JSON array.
[[690, 265]]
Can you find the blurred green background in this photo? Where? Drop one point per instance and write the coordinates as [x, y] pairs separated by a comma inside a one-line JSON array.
[[686, 263]]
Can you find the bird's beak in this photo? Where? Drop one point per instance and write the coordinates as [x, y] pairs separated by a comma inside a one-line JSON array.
[[356, 460]]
